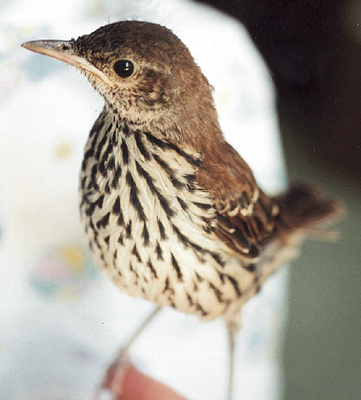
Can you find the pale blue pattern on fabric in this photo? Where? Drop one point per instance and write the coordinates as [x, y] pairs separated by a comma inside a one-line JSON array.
[[61, 321]]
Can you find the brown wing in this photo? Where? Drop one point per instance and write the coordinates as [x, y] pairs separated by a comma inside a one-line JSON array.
[[246, 217]]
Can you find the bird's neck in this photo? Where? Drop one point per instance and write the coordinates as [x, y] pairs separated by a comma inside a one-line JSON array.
[[116, 145], [192, 122]]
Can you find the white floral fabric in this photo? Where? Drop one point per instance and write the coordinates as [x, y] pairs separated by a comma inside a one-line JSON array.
[[60, 321]]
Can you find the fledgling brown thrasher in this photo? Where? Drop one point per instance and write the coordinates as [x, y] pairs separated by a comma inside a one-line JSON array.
[[172, 213]]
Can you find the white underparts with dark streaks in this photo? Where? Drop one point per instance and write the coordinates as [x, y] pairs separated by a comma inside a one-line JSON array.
[[151, 228]]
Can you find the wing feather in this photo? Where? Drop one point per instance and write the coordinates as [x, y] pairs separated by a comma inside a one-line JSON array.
[[246, 217]]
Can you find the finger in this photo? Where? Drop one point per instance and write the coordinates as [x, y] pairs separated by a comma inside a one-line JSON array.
[[137, 386]]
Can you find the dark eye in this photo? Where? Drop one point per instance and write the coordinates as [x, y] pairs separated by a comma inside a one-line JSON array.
[[124, 68]]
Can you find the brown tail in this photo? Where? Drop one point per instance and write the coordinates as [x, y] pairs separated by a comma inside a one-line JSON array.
[[303, 207]]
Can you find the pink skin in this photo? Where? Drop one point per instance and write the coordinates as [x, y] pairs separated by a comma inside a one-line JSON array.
[[133, 385]]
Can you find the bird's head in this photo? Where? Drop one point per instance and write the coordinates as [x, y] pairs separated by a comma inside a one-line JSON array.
[[143, 71]]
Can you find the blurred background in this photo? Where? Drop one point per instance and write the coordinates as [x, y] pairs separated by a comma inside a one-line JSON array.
[[313, 50], [62, 322]]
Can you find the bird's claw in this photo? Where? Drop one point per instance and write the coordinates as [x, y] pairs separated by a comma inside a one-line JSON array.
[[110, 388]]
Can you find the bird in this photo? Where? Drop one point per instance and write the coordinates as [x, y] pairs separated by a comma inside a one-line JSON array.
[[171, 211]]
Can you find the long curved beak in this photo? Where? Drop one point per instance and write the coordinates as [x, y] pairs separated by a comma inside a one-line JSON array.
[[60, 49]]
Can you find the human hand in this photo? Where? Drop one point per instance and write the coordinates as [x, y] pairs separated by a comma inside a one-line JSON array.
[[131, 384], [137, 386]]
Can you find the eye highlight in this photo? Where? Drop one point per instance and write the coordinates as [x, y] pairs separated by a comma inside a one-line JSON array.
[[123, 68]]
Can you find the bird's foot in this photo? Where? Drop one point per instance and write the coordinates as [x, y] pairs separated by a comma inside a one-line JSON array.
[[111, 387]]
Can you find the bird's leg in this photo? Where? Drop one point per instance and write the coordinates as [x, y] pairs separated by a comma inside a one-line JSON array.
[[105, 391], [232, 329]]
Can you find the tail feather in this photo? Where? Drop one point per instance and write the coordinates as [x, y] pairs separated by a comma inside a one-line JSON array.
[[303, 207]]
